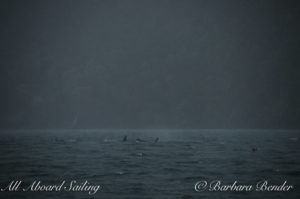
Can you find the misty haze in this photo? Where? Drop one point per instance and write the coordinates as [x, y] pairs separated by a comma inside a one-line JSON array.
[[150, 64]]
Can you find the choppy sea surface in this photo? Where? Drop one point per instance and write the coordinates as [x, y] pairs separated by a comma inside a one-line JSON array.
[[169, 168]]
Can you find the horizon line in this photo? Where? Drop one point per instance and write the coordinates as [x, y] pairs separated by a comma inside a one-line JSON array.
[[150, 129]]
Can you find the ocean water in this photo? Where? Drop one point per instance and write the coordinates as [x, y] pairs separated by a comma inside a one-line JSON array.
[[169, 168]]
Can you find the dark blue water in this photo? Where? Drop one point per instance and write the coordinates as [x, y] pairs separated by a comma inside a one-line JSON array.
[[166, 169]]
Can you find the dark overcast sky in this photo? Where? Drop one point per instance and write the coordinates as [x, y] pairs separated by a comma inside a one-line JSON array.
[[150, 64]]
